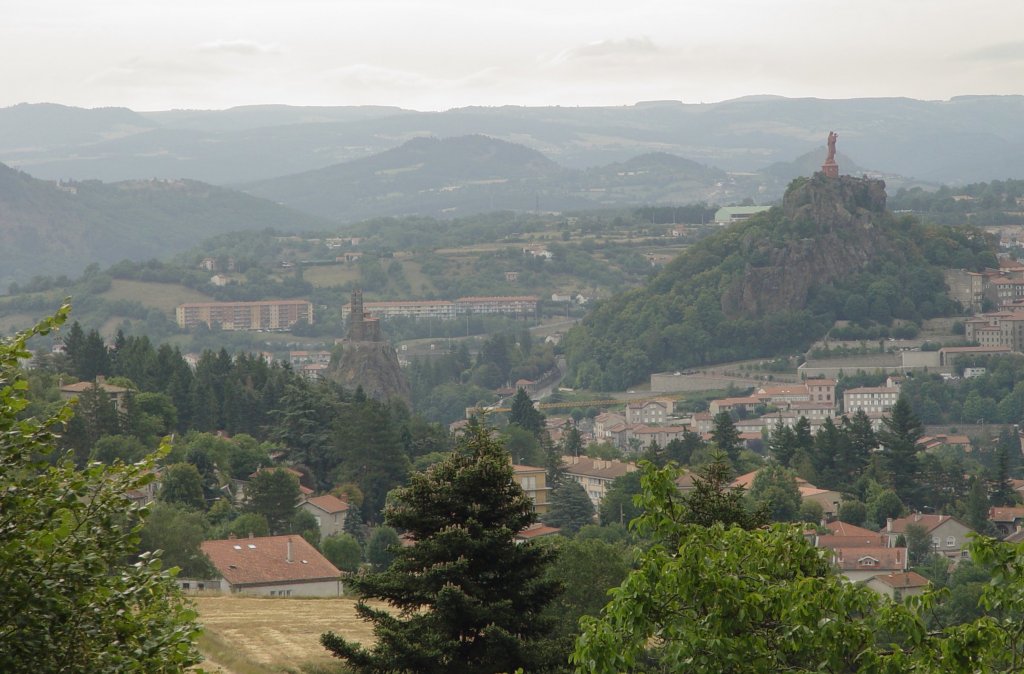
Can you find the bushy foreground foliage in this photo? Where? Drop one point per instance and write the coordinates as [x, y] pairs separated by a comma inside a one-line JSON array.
[[75, 598]]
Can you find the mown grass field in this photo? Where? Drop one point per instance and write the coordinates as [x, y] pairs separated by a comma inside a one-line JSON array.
[[163, 296], [253, 635]]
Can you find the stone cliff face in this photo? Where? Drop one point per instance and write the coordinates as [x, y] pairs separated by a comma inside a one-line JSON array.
[[372, 365], [840, 217]]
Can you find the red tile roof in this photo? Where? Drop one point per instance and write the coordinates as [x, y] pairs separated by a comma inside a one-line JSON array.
[[1005, 514], [264, 561], [537, 530], [833, 542], [328, 503], [839, 528], [902, 580], [929, 522], [870, 558]]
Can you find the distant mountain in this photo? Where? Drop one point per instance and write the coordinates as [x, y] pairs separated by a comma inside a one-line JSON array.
[[48, 228], [963, 140], [426, 176], [470, 174]]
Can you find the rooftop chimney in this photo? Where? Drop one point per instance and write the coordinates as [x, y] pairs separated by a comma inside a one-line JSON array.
[[252, 535], [888, 524], [101, 379], [289, 557]]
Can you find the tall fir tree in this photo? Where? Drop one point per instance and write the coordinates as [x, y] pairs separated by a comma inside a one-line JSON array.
[[726, 436], [525, 415], [469, 598], [901, 431]]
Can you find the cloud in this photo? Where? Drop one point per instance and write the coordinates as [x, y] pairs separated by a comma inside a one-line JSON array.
[[631, 48], [238, 47], [1004, 51]]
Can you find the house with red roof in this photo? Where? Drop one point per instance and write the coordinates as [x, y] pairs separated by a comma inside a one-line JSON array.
[[949, 535], [1006, 520], [329, 511], [862, 563], [896, 586], [271, 566]]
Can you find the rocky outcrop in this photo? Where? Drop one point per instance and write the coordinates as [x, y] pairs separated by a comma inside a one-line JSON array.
[[840, 219], [372, 365]]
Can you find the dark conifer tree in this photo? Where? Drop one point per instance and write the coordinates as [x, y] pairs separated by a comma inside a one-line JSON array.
[[525, 415], [726, 436], [901, 431], [470, 599]]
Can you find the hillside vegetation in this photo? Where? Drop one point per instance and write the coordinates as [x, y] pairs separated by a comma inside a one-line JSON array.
[[776, 282], [49, 228]]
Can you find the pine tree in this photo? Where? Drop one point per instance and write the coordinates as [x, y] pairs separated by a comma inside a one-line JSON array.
[[782, 443], [525, 415], [570, 508], [726, 436], [901, 431], [469, 597]]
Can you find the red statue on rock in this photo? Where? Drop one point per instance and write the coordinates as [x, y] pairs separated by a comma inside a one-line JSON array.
[[830, 168]]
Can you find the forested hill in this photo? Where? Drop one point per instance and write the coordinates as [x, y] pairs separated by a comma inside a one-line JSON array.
[[774, 283], [60, 228]]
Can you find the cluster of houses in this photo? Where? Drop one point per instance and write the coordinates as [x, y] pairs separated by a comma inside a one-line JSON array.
[[644, 421]]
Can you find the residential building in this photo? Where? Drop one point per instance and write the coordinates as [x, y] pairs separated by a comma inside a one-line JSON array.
[[863, 563], [605, 421], [871, 398], [533, 480], [518, 305], [297, 358], [595, 475], [1006, 520], [329, 512], [949, 535], [898, 586], [1001, 328], [118, 394], [649, 411], [739, 404], [273, 566], [948, 355], [267, 315], [441, 309]]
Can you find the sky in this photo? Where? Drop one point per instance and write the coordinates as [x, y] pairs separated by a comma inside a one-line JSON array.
[[440, 54]]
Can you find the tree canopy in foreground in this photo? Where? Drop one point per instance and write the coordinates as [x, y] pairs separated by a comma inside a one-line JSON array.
[[73, 601], [722, 598], [468, 598]]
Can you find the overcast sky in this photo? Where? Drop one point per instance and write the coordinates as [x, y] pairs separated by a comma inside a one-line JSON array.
[[438, 54]]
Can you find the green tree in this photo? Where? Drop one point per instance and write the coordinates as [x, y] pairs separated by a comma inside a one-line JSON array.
[[587, 569], [901, 431], [177, 531], [470, 598], [344, 551], [381, 546], [525, 415], [617, 506], [76, 598], [725, 435], [775, 487], [977, 505], [726, 599], [181, 484], [713, 501], [570, 508], [274, 494], [919, 543]]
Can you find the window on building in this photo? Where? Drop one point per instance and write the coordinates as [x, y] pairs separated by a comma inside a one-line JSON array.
[[950, 541]]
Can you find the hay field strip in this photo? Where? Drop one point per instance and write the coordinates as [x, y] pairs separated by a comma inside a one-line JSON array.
[[279, 633]]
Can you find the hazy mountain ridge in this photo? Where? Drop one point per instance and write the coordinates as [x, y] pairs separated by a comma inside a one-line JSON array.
[[51, 228], [965, 139], [469, 174]]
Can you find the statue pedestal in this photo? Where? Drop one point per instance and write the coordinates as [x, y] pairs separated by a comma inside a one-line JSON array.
[[830, 169]]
